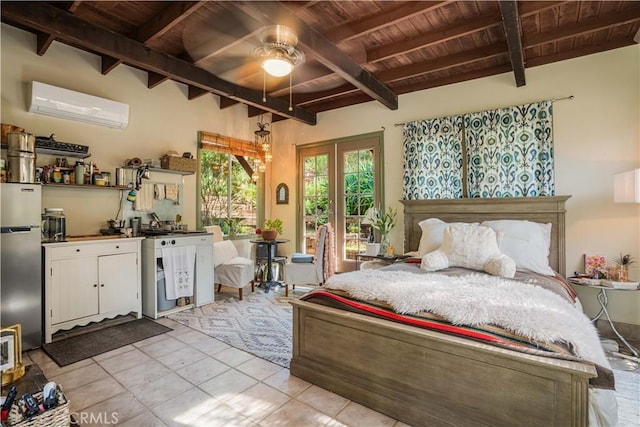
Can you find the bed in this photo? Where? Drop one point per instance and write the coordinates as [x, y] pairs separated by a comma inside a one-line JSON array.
[[425, 377]]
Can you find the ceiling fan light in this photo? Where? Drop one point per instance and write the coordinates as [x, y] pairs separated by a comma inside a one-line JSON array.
[[277, 66]]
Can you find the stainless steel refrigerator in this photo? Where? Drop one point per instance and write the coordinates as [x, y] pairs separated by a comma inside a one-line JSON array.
[[20, 260]]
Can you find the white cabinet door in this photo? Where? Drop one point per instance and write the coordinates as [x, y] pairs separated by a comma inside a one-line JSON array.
[[204, 275], [119, 276], [75, 289]]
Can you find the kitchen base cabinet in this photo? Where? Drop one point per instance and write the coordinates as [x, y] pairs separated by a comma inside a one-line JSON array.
[[90, 281], [154, 304]]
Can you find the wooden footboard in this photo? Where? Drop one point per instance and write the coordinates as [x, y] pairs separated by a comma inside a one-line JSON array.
[[425, 378]]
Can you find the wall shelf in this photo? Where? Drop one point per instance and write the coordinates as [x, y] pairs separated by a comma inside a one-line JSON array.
[[163, 170], [101, 187]]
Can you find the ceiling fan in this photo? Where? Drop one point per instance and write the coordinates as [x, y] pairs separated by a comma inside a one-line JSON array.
[[278, 54]]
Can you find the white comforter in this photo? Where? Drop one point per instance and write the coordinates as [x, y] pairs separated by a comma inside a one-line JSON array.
[[476, 299]]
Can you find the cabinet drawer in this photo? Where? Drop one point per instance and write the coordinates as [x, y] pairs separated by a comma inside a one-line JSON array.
[[95, 249]]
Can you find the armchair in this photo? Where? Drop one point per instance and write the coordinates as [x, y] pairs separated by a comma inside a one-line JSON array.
[[230, 269], [305, 273]]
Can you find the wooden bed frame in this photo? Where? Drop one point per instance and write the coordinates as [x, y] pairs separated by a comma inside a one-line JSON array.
[[426, 378]]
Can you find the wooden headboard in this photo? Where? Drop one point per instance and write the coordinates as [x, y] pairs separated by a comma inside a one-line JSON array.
[[548, 209]]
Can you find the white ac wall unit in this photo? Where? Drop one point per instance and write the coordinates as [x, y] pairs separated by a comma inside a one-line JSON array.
[[68, 104]]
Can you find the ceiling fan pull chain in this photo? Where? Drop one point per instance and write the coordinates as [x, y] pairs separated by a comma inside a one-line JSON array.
[[290, 97], [264, 86]]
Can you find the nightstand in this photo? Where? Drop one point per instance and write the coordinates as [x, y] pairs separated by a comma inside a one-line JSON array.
[[603, 300]]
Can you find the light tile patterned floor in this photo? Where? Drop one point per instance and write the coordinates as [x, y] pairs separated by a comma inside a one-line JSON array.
[[186, 378]]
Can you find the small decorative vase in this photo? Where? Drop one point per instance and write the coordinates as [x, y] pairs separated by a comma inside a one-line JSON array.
[[384, 244], [269, 234]]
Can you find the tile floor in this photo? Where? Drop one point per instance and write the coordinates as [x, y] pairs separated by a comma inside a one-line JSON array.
[[187, 378]]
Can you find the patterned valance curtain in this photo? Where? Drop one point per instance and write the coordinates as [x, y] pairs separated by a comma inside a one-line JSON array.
[[510, 152], [506, 152], [433, 159]]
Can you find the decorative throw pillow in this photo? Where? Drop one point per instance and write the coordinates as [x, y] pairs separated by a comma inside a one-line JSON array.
[[527, 242], [470, 246], [432, 232]]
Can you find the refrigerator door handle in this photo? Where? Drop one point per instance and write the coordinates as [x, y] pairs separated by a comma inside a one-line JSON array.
[[22, 229]]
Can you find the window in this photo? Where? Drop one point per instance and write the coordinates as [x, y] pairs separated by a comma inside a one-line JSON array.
[[228, 196]]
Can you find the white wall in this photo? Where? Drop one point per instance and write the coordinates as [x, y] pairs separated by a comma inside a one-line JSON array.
[[596, 135], [161, 119]]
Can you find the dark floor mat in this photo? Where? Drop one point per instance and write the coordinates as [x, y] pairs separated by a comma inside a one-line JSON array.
[[80, 347]]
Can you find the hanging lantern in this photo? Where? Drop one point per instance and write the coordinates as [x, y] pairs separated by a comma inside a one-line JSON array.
[[263, 139]]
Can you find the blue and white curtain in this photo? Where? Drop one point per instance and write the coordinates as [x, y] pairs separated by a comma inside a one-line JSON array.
[[433, 159], [510, 151], [506, 152]]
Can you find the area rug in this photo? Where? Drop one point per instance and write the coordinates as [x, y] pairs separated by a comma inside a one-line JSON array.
[[260, 324], [74, 349]]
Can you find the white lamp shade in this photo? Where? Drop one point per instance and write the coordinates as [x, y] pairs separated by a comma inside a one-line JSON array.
[[277, 66], [626, 187]]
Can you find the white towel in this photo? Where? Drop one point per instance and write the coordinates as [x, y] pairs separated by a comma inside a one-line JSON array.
[[172, 192], [144, 198], [160, 195], [179, 271]]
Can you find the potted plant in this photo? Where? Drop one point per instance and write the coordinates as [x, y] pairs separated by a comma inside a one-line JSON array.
[[624, 262], [272, 227]]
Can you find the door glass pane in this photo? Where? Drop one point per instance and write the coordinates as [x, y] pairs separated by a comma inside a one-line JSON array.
[[357, 198], [315, 197]]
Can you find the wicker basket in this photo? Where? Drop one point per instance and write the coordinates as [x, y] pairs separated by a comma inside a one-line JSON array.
[[54, 417], [175, 163]]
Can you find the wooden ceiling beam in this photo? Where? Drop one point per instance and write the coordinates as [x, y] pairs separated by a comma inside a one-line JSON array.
[[44, 40], [360, 98], [390, 15], [196, 92], [166, 19], [227, 102], [162, 22], [588, 26], [73, 30], [154, 79], [469, 27], [512, 31], [331, 57]]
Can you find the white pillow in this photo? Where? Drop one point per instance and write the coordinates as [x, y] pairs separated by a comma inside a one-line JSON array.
[[470, 246], [527, 242], [223, 252], [432, 231]]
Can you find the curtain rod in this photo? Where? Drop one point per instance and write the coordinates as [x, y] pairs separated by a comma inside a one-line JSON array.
[[564, 98]]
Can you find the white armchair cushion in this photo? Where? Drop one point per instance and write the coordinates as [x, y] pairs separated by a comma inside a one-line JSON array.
[[223, 252]]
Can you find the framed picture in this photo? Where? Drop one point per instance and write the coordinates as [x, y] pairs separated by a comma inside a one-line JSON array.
[[7, 345], [11, 354]]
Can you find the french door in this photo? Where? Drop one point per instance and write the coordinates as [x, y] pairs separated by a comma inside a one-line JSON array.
[[338, 182]]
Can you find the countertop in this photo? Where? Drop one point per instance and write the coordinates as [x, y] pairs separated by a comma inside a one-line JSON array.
[[91, 238]]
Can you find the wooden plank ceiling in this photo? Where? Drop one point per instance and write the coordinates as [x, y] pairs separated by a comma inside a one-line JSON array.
[[355, 51]]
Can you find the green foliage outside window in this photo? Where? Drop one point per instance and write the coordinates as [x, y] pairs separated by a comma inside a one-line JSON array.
[[231, 202]]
